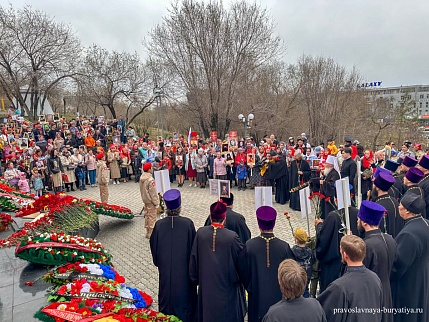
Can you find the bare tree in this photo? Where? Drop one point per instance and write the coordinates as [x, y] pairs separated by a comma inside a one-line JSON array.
[[36, 54], [111, 77], [210, 49]]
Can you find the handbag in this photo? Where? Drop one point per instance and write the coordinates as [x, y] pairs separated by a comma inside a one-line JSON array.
[[71, 167]]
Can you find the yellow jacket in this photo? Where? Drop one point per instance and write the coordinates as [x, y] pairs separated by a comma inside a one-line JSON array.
[[333, 148]]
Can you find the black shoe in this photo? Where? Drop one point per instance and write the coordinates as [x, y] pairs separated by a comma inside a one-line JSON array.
[[68, 190], [72, 189]]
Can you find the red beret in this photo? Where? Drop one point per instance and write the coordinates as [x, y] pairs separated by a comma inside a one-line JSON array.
[[147, 166], [100, 156]]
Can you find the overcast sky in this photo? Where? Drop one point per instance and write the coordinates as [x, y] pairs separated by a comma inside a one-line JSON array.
[[386, 40]]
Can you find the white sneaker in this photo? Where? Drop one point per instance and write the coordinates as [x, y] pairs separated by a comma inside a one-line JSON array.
[[195, 185], [114, 182], [118, 182], [190, 185]]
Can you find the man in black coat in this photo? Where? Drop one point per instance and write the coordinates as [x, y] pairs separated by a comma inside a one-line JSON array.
[[328, 236], [259, 262], [410, 272], [331, 175], [349, 167], [214, 266], [300, 173], [170, 243], [359, 288], [392, 222], [405, 164], [380, 249], [423, 165], [278, 173], [234, 221], [411, 183], [398, 187]]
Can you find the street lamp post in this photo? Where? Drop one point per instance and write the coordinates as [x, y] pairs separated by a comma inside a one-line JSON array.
[[157, 91], [247, 122]]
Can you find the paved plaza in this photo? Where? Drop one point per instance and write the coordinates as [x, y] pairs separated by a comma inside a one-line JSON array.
[[125, 239]]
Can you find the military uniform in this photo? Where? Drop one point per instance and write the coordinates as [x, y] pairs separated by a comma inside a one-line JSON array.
[[103, 177], [150, 200]]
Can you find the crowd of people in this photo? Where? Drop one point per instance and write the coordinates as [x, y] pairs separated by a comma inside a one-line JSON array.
[[382, 268]]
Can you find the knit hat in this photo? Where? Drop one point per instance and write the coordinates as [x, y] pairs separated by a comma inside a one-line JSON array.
[[266, 217], [218, 211], [172, 199], [300, 235], [413, 203], [391, 165], [414, 175], [384, 181], [409, 162], [147, 166], [100, 156], [424, 162], [228, 201], [371, 212]]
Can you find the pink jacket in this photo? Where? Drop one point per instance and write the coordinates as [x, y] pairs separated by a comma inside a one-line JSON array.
[[219, 167], [23, 186], [91, 162]]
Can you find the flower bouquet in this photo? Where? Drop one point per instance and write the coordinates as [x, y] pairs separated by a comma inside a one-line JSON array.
[[316, 203], [88, 310], [59, 248], [5, 188], [111, 294], [5, 221], [7, 203], [71, 271], [102, 208]]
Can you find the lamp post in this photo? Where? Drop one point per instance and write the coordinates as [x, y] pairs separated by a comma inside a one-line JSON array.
[[157, 91], [247, 122]]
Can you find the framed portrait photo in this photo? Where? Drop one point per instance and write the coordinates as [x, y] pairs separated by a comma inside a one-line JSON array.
[[42, 118], [224, 188], [225, 147]]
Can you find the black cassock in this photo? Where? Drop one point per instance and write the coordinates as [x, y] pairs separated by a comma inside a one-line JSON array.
[[235, 222], [410, 273], [171, 243], [297, 310], [349, 169], [328, 190], [424, 184], [217, 275], [357, 288], [278, 173], [397, 189], [393, 220], [328, 237], [380, 254], [260, 281], [296, 180]]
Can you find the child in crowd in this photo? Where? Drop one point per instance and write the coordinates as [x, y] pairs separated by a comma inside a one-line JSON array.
[[37, 179], [241, 175], [303, 255], [23, 185], [81, 175]]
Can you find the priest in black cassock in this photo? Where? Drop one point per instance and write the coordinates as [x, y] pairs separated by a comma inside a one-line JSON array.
[[359, 288], [170, 243], [234, 221], [328, 185], [380, 249], [411, 183], [293, 307], [410, 272], [392, 222], [278, 173], [328, 236], [405, 164], [259, 262], [214, 267], [398, 187], [423, 165], [300, 173]]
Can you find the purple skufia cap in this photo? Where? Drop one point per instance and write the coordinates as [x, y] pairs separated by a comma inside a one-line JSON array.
[[384, 181], [410, 162], [424, 162], [266, 217], [371, 212], [218, 211], [414, 175], [172, 199], [391, 165], [379, 170]]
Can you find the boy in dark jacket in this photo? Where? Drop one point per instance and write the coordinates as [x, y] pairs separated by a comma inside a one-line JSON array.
[[303, 255], [80, 175], [241, 175]]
